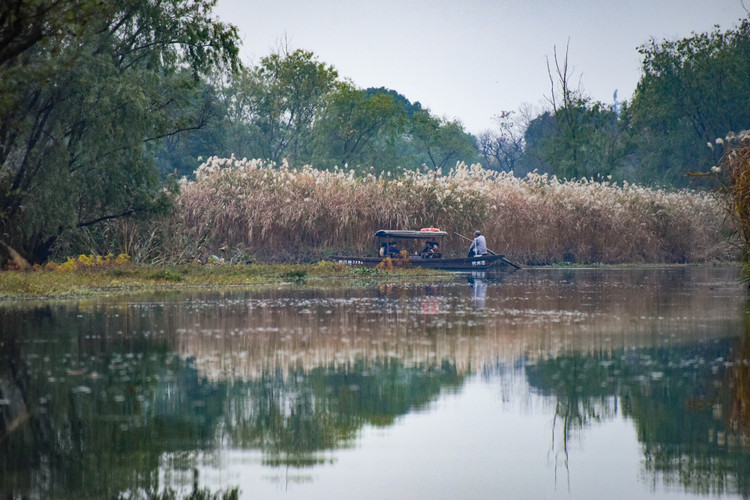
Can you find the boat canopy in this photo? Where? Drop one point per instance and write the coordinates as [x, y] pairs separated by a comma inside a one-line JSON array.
[[424, 234]]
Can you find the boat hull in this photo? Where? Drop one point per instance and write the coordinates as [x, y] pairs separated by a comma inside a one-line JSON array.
[[481, 263]]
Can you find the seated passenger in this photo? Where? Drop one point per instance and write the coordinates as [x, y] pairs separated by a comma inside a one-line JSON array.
[[432, 249], [389, 249]]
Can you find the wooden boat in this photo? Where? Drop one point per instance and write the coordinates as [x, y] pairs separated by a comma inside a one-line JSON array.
[[402, 248]]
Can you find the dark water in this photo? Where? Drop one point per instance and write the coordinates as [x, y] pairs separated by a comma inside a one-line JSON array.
[[617, 383]]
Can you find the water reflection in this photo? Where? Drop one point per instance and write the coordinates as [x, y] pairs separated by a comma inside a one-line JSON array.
[[677, 398], [478, 283], [107, 398]]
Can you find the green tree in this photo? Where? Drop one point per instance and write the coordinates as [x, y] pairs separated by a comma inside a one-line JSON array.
[[352, 120], [584, 140], [416, 138], [578, 137], [692, 91], [442, 142], [533, 136], [82, 108], [278, 101], [394, 146], [405, 105], [179, 154]]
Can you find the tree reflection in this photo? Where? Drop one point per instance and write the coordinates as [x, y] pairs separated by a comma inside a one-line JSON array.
[[99, 417], [292, 416], [675, 398], [583, 390]]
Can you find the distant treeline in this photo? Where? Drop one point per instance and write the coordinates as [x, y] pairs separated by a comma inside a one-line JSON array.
[[103, 107], [292, 106]]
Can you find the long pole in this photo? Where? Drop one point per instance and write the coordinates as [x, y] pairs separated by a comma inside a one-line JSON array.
[[490, 251]]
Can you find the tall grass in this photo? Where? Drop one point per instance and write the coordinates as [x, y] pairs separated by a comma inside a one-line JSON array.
[[265, 210]]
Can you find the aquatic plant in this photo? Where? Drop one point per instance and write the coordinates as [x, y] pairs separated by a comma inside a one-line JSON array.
[[275, 211]]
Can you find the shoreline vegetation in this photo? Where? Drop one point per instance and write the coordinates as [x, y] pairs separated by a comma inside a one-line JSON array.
[[253, 211], [50, 284], [57, 281]]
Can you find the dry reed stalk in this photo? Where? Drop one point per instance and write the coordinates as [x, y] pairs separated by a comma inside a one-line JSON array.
[[737, 161], [275, 210]]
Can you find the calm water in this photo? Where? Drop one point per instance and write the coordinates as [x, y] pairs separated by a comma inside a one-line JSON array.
[[546, 384]]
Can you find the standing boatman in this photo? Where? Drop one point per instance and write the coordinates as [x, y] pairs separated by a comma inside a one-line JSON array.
[[478, 246]]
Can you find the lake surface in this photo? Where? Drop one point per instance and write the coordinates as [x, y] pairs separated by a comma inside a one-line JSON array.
[[547, 383]]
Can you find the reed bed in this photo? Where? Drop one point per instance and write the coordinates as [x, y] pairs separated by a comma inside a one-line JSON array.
[[252, 207]]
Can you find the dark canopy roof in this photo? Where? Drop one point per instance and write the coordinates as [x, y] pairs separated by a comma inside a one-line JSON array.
[[408, 234]]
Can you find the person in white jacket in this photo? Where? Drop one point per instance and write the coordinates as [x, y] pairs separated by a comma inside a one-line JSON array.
[[478, 246]]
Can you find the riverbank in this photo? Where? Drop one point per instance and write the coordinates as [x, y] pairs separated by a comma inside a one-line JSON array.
[[41, 283]]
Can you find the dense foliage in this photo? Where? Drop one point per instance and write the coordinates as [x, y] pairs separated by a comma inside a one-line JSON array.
[[87, 87], [691, 92]]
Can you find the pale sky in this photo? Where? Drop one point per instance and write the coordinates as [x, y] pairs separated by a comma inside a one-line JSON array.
[[471, 59]]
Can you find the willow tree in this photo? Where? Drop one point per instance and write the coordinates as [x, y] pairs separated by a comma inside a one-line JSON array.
[[87, 88]]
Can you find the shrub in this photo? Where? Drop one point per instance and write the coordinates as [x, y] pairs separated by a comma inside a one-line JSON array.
[[733, 179], [81, 262]]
